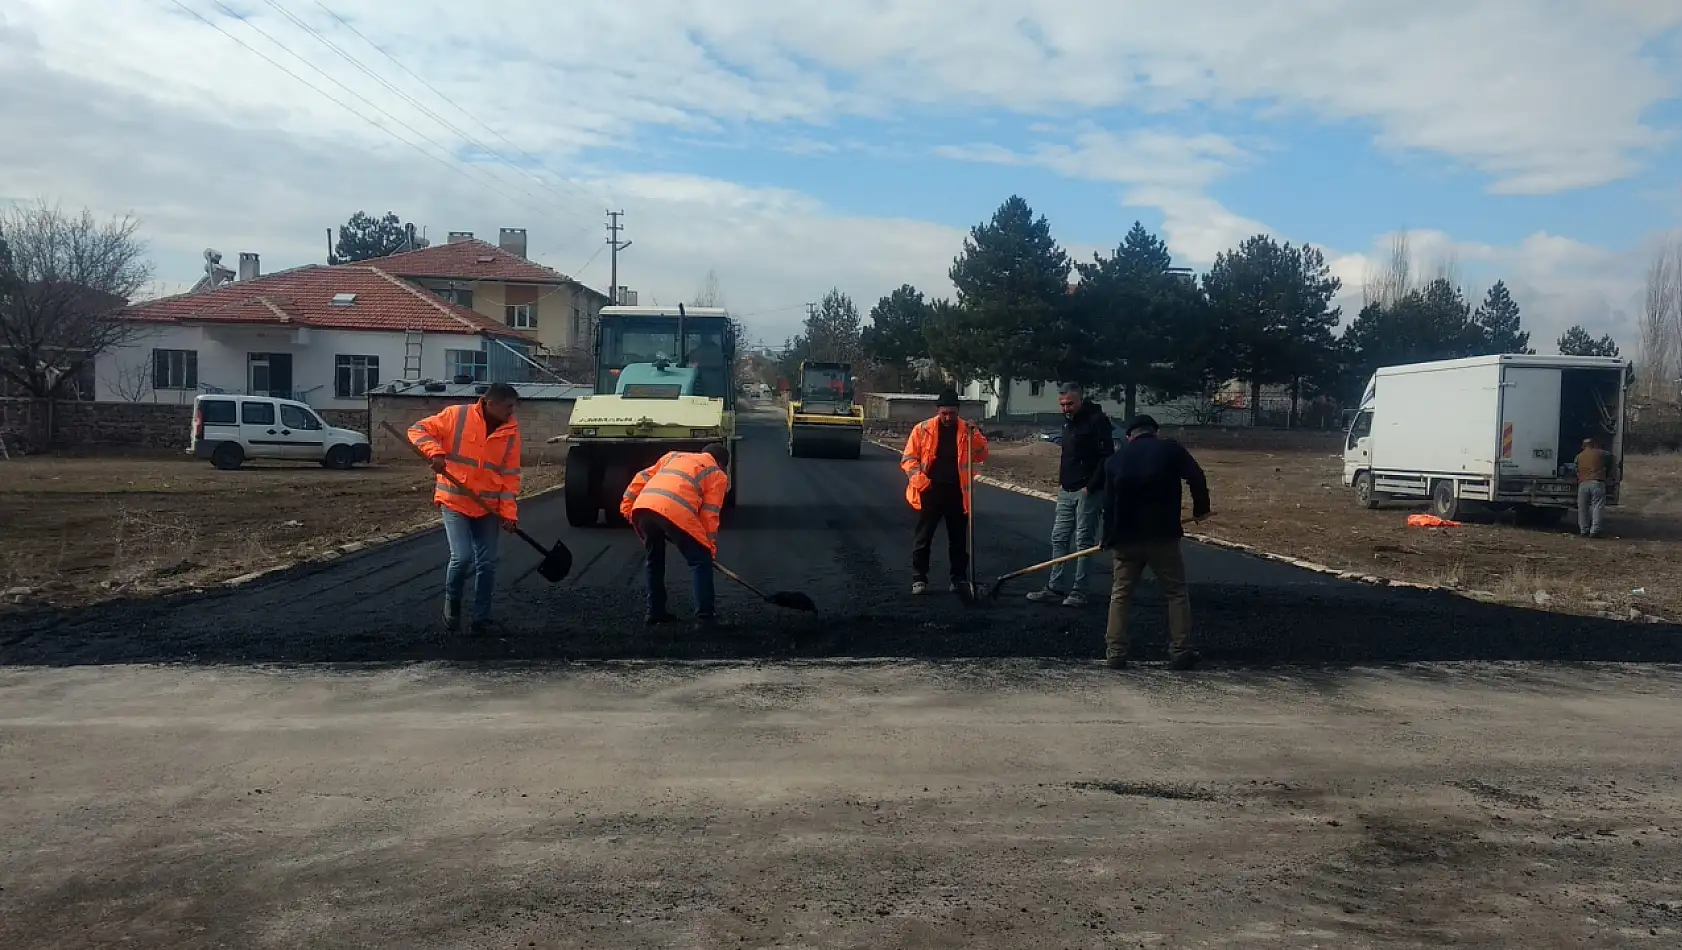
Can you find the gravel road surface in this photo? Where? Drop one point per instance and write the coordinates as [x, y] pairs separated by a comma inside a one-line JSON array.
[[983, 804], [839, 530]]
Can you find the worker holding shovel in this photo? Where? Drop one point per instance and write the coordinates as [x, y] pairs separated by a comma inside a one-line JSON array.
[[680, 499], [939, 461], [474, 450]]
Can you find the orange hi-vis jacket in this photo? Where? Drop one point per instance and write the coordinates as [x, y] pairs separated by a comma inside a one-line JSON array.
[[488, 464], [687, 489], [919, 455]]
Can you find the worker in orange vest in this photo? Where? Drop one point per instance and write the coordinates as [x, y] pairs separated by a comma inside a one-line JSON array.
[[679, 499], [937, 460], [478, 443]]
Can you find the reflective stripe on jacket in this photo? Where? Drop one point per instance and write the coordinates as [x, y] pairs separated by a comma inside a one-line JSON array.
[[919, 455], [490, 465], [687, 489]]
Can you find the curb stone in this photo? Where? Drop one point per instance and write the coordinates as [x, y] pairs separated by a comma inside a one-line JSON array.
[[1374, 580], [352, 547]]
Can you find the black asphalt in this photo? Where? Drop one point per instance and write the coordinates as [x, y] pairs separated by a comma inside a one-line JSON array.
[[837, 529]]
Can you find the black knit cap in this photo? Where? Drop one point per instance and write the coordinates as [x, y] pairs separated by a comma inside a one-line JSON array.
[[948, 397], [1141, 421]]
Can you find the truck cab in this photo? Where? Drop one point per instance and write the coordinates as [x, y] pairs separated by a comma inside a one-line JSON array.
[[664, 383]]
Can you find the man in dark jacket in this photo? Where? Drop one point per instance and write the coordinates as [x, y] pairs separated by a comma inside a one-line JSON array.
[[1142, 526], [1087, 443]]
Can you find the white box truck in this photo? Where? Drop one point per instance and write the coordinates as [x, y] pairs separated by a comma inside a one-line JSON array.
[[1490, 432]]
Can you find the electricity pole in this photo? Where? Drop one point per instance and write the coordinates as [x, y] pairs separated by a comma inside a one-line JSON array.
[[613, 229]]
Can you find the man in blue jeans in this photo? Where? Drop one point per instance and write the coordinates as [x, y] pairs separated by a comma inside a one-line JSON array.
[[1088, 441]]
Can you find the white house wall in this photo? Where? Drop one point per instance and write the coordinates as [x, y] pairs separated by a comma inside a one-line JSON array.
[[223, 353], [1023, 401]]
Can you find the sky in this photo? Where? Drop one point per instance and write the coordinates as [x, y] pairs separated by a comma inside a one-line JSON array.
[[796, 146]]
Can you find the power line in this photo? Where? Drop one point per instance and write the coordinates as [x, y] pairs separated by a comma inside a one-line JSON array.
[[339, 102], [347, 57], [435, 91]]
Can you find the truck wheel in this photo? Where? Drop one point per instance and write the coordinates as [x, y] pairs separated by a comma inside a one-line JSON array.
[[1364, 494], [1444, 504], [580, 497], [227, 456]]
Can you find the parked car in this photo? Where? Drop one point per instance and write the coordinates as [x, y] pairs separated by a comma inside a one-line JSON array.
[[228, 430], [1055, 436]]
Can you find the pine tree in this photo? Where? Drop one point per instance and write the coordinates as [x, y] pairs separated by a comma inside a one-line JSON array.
[[1010, 318], [1577, 342], [1498, 318]]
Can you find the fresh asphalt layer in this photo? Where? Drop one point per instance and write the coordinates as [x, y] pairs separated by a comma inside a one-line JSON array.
[[839, 530]]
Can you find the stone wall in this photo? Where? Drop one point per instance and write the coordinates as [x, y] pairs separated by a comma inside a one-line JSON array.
[[540, 420], [36, 425]]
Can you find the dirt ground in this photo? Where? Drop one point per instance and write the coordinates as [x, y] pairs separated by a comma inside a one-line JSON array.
[[1282, 493], [918, 805], [83, 529]]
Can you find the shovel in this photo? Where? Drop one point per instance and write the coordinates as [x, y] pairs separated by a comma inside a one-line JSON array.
[[557, 561], [993, 592], [792, 599]]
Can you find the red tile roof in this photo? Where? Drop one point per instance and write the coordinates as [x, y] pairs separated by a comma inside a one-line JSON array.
[[304, 297], [471, 259]]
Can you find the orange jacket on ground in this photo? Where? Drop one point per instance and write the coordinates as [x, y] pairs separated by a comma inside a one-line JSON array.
[[919, 455], [687, 489], [490, 465]]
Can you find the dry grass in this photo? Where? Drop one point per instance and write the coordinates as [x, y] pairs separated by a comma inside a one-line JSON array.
[[1282, 493], [83, 529]]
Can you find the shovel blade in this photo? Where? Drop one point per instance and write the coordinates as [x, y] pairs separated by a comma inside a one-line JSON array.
[[794, 600], [557, 564]]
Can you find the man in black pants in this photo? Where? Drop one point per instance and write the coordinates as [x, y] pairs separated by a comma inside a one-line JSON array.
[[937, 460]]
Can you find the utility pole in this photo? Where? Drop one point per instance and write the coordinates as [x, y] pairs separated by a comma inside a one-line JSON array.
[[613, 229]]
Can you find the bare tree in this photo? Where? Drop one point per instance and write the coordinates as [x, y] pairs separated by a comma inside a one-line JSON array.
[[133, 382], [1393, 281], [1659, 363], [63, 280], [710, 295]]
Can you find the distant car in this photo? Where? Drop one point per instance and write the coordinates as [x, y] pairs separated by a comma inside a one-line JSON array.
[[228, 430], [1055, 436]]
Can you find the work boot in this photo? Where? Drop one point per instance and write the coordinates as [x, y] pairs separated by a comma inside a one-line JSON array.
[[919, 587], [962, 589], [707, 623], [1115, 662], [1046, 596], [487, 627], [1076, 599], [1184, 661], [452, 616], [656, 617]]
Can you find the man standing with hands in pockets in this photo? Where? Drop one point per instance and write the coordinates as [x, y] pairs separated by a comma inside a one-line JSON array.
[[1087, 444]]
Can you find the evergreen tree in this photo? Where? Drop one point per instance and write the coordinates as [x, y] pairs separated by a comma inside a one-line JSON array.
[[1577, 342], [365, 237], [1498, 318], [1010, 318], [1128, 314], [895, 337]]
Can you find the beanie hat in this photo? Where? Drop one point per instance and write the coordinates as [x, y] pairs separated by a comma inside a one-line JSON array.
[[1141, 421], [948, 397]]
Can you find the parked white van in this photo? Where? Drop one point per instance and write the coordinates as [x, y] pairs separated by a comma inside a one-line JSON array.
[[228, 430]]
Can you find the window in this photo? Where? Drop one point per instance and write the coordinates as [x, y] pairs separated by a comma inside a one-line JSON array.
[[457, 295], [521, 316], [353, 376], [297, 417], [1036, 387], [1360, 428], [474, 364], [175, 369], [218, 412], [256, 413], [577, 325]]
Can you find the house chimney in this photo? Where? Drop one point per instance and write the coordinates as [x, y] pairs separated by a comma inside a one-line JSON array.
[[513, 240], [456, 237], [249, 269]]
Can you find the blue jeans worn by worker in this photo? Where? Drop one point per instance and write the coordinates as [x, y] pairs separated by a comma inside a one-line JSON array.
[[473, 545], [656, 531], [1075, 528]]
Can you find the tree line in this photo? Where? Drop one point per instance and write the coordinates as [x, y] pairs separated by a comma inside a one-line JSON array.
[[1129, 321]]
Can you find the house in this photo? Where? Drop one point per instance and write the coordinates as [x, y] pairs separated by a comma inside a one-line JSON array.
[[500, 283], [322, 334]]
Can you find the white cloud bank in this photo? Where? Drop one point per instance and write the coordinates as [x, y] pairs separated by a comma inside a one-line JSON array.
[[155, 112]]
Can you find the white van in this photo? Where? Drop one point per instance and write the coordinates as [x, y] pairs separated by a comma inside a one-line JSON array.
[[228, 430]]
